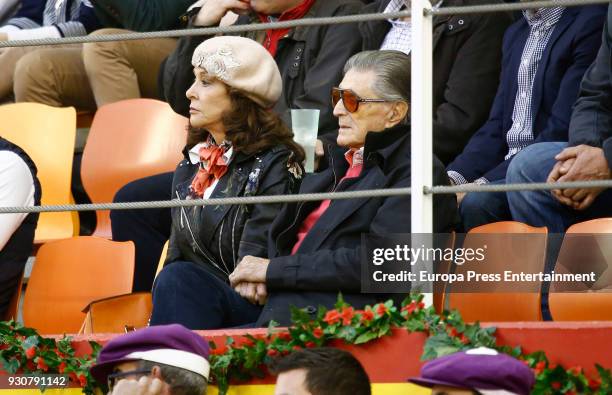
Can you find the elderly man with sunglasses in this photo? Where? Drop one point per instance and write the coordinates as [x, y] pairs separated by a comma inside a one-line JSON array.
[[314, 247]]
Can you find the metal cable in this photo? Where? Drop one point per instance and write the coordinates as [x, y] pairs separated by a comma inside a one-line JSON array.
[[308, 197], [294, 23]]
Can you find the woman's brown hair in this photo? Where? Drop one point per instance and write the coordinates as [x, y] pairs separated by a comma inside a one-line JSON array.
[[251, 128]]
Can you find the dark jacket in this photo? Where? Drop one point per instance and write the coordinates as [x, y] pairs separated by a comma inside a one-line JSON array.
[[31, 14], [15, 253], [141, 15], [568, 53], [310, 60], [217, 237], [467, 62], [328, 260], [591, 122]]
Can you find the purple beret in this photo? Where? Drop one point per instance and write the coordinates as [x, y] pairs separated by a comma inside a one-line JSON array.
[[172, 345], [481, 369]]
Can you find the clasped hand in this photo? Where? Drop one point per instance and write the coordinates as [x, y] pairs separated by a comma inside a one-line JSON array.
[[249, 279], [580, 163]]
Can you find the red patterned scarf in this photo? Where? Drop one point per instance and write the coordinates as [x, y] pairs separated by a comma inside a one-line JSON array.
[[212, 167]]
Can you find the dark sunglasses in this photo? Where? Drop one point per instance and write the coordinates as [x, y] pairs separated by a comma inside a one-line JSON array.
[[350, 99], [115, 377]]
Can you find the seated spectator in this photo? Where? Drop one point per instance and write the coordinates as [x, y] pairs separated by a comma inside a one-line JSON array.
[[90, 75], [236, 147], [18, 187], [545, 55], [8, 9], [156, 360], [314, 248], [37, 19], [467, 61], [477, 371], [310, 60], [587, 156], [320, 371]]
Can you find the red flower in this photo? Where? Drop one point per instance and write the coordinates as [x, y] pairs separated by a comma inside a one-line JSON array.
[[218, 351], [452, 331], [414, 307], [367, 315], [332, 317], [310, 345], [555, 385], [347, 315], [30, 365], [41, 364], [284, 336], [463, 339], [272, 352], [381, 309], [539, 368], [82, 380], [576, 370], [248, 342], [297, 348], [318, 333], [594, 384], [73, 377], [61, 367], [30, 352]]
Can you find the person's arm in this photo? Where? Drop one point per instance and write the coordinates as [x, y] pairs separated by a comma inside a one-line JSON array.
[[471, 85], [338, 44], [143, 15], [338, 269], [85, 23], [16, 189], [277, 180], [28, 16], [592, 115], [485, 150]]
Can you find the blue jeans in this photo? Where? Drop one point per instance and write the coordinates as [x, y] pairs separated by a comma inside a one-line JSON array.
[[481, 208], [188, 294], [540, 208]]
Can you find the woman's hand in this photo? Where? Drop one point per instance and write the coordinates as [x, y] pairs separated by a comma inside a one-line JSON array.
[[251, 269]]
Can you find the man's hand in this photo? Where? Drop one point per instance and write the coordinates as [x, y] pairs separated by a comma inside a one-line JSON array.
[[146, 385], [589, 163], [213, 11], [255, 293], [251, 269], [560, 169]]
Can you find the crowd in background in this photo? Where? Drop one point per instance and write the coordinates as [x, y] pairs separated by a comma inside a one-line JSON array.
[[516, 98]]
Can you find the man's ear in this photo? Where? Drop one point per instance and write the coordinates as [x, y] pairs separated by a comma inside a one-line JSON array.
[[398, 113]]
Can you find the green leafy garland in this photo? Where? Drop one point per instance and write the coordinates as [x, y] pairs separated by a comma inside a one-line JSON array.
[[22, 350]]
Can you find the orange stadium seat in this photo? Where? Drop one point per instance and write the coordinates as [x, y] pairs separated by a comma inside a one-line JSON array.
[[578, 251], [48, 135], [129, 140], [514, 252], [69, 274]]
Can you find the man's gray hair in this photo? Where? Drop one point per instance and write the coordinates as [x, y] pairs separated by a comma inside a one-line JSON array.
[[181, 381], [392, 69]]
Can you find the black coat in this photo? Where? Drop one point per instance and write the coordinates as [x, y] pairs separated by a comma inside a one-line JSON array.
[[328, 260], [217, 237], [310, 59], [467, 62], [591, 121]]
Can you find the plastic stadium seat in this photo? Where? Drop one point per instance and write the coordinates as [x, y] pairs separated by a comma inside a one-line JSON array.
[[578, 251], [47, 134], [129, 140], [69, 274], [514, 252]]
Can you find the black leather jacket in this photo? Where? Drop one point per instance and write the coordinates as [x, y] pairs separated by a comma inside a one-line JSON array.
[[217, 237]]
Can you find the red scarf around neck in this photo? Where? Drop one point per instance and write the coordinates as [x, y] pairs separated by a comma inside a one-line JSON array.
[[274, 36]]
